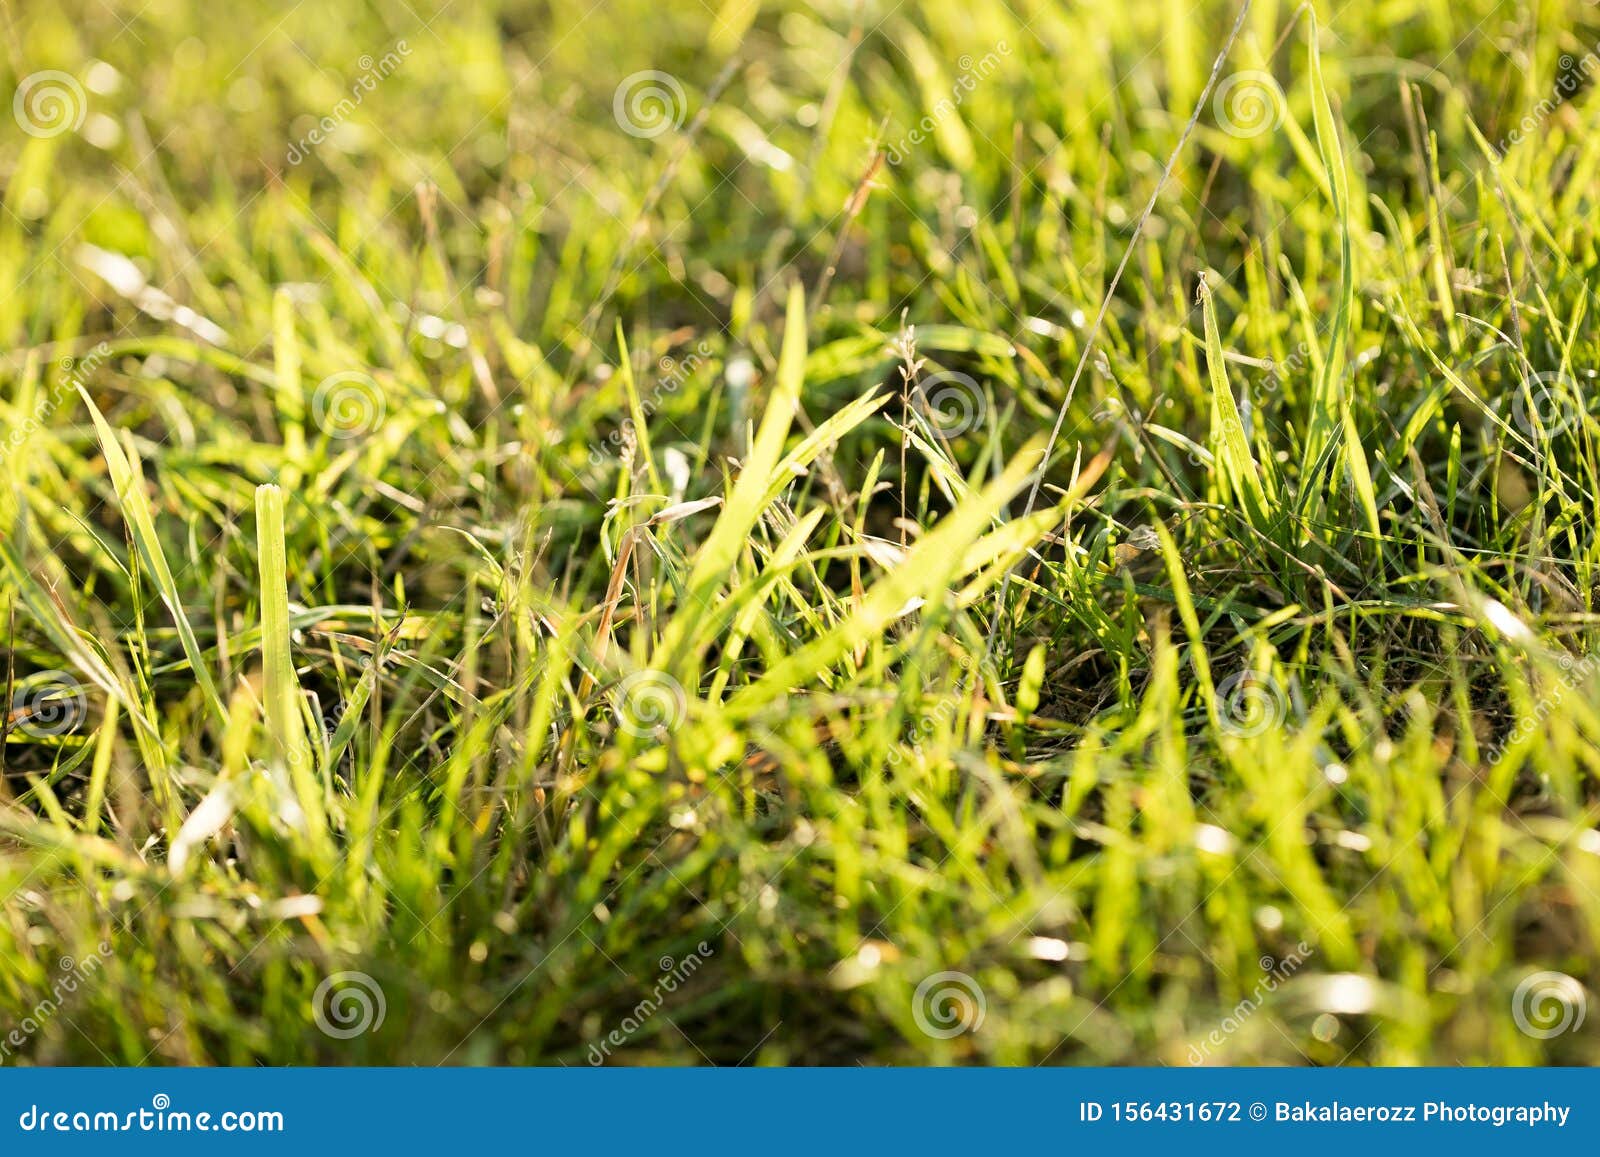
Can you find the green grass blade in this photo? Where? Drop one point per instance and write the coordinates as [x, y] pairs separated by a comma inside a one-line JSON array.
[[127, 481], [291, 748], [930, 569], [1230, 448], [718, 554]]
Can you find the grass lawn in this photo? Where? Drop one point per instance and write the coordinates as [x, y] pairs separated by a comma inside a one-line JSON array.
[[747, 531]]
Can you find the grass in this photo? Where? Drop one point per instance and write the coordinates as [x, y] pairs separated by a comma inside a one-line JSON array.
[[531, 534]]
